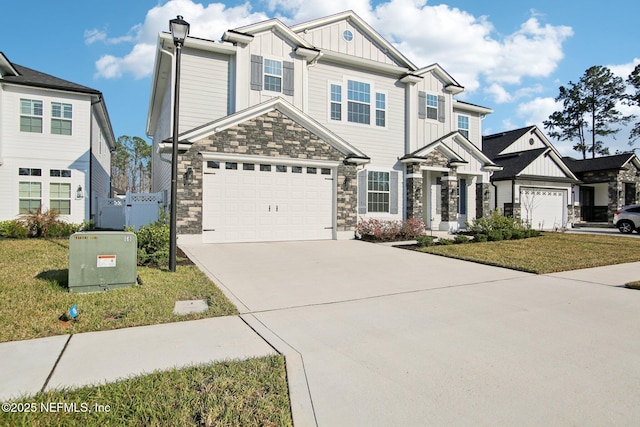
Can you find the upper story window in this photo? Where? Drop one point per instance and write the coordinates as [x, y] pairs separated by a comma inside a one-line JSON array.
[[29, 172], [61, 115], [463, 125], [30, 115], [381, 109], [63, 173], [336, 102], [361, 101], [347, 35], [272, 75], [431, 107]]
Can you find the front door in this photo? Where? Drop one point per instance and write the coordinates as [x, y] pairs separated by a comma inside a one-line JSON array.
[[586, 203]]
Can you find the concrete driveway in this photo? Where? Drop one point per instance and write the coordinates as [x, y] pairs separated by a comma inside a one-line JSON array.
[[380, 336]]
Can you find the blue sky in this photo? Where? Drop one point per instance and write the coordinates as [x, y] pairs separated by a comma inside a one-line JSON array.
[[510, 56]]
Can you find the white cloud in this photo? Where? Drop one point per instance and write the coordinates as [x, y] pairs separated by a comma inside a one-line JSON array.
[[536, 111], [623, 70], [498, 94], [465, 45], [92, 36], [206, 22]]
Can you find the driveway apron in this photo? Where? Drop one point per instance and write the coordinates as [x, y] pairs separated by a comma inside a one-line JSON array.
[[392, 337]]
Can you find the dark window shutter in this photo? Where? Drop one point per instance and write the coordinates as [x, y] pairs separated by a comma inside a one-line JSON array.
[[362, 192], [422, 105], [441, 113], [287, 78], [256, 72], [393, 192]]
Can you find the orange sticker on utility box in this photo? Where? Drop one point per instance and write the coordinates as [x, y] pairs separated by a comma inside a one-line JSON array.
[[106, 261]]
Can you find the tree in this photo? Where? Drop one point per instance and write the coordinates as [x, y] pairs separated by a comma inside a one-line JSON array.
[[131, 165], [589, 105], [634, 99]]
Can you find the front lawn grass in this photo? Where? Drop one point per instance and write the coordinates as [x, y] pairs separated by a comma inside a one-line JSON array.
[[550, 253], [247, 393], [34, 294]]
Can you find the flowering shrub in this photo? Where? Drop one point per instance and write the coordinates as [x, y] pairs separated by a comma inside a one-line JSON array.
[[386, 230]]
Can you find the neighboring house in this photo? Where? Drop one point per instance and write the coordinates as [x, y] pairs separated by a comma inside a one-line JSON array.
[[55, 145], [299, 132], [534, 185], [608, 183]]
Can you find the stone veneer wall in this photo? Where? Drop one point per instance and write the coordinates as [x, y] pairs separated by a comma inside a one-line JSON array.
[[483, 199], [615, 180], [414, 192], [274, 135]]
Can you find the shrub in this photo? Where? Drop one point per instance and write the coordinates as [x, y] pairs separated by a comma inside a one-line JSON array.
[[445, 242], [380, 230], [425, 241], [479, 238], [460, 238], [153, 243], [506, 234], [38, 222], [495, 236], [62, 229], [517, 234], [14, 229]]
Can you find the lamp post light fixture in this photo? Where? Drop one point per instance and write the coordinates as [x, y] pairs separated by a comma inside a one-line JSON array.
[[179, 31]]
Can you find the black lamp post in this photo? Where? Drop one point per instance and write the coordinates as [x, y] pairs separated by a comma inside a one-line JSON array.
[[179, 31]]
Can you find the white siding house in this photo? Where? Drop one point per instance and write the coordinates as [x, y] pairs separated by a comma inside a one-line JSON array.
[[271, 112], [55, 145]]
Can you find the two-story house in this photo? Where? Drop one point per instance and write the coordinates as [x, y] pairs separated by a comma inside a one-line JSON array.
[[55, 145], [298, 132]]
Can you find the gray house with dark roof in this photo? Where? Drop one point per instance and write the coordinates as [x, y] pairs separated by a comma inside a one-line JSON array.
[[608, 183], [55, 144], [534, 183]]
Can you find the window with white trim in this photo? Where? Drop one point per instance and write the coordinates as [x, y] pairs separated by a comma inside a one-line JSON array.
[[60, 197], [272, 75], [336, 102], [378, 191], [61, 115], [432, 107], [29, 196], [358, 102], [463, 125], [30, 115], [381, 109]]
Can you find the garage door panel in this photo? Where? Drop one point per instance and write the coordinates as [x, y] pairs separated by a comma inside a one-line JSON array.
[[543, 208], [264, 205]]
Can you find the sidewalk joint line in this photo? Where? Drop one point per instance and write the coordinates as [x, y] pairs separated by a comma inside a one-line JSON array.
[[55, 365]]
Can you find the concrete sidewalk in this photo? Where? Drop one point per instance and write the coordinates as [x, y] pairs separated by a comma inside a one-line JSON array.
[[99, 357]]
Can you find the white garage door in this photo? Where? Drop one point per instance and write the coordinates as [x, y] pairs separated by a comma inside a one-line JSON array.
[[543, 207], [257, 202]]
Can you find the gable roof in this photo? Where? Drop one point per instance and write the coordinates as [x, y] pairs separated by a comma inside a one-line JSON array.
[[28, 77], [492, 145], [420, 153], [615, 162], [268, 25], [359, 23], [6, 67], [288, 110], [515, 163], [450, 83]]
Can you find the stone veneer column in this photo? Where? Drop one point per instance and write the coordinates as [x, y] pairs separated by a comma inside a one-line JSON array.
[[449, 193], [414, 191], [483, 197]]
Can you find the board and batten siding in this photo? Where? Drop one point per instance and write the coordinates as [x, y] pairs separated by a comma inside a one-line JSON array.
[[430, 130], [204, 88], [544, 166], [523, 144], [161, 171], [101, 163], [331, 38]]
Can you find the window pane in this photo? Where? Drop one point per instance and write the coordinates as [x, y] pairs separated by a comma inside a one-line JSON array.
[[336, 111], [63, 207], [273, 67], [56, 109], [231, 165], [265, 168], [325, 171], [432, 107], [312, 170], [272, 83], [28, 206], [336, 93], [248, 166], [358, 113], [358, 91], [281, 168], [296, 169], [30, 124], [380, 118], [60, 127], [380, 101], [212, 164]]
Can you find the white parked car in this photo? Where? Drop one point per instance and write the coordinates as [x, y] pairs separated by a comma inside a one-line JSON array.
[[627, 219]]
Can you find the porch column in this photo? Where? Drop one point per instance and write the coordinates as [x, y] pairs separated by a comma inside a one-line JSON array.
[[414, 191], [483, 199], [450, 198]]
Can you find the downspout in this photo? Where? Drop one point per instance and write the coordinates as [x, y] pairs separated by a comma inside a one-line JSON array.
[[495, 198]]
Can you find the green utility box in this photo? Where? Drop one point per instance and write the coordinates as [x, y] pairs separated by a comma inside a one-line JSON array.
[[102, 260]]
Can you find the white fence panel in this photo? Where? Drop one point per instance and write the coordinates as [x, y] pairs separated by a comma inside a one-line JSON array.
[[134, 210]]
